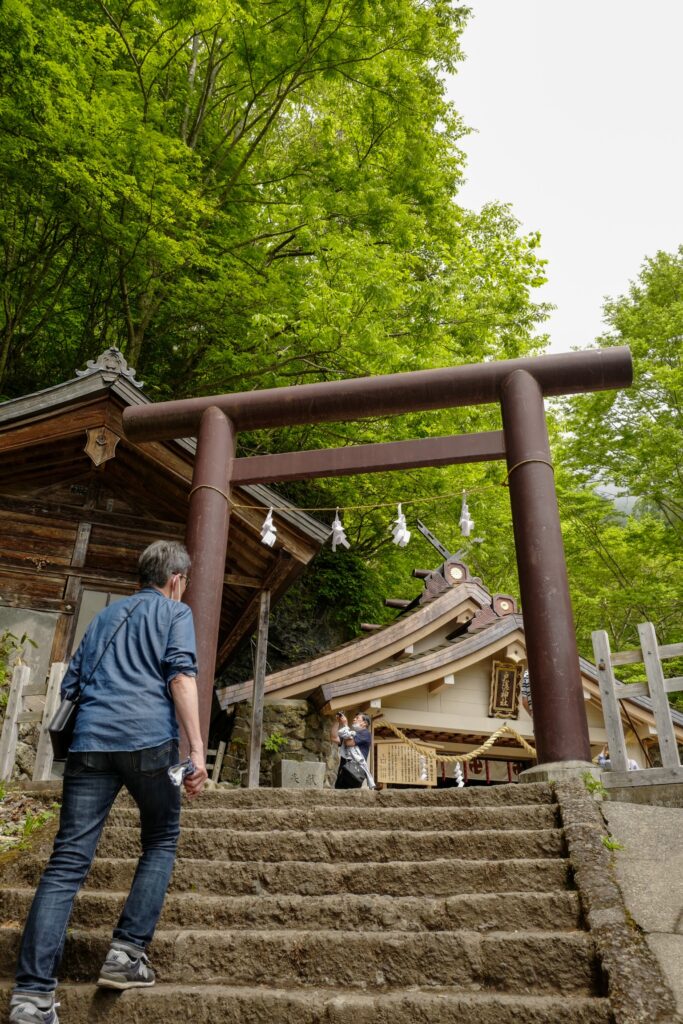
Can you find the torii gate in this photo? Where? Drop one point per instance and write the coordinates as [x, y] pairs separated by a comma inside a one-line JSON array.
[[518, 384]]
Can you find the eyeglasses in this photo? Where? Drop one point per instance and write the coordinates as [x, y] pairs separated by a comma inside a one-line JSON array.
[[182, 576]]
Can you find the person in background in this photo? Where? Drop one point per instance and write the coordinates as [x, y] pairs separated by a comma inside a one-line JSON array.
[[525, 693], [135, 669], [603, 760], [354, 743]]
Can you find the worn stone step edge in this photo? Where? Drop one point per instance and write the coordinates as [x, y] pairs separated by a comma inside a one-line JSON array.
[[206, 1004], [515, 794], [433, 878], [467, 960], [374, 846], [480, 911], [528, 818]]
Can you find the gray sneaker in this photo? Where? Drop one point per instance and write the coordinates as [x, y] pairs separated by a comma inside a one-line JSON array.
[[26, 1012], [121, 970]]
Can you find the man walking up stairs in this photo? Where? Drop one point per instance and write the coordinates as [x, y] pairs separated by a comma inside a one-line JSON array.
[[319, 907]]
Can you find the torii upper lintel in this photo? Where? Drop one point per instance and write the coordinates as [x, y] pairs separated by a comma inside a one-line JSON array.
[[474, 384]]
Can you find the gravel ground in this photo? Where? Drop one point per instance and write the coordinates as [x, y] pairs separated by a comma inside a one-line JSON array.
[[21, 816]]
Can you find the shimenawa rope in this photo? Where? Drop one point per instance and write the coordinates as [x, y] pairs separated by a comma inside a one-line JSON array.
[[452, 758]]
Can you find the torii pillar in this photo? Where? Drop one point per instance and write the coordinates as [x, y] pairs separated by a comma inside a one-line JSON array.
[[519, 385]]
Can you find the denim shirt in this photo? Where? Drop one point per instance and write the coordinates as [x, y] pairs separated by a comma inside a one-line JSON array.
[[126, 702]]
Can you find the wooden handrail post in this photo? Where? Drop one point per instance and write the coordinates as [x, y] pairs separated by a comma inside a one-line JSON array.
[[259, 688], [10, 726]]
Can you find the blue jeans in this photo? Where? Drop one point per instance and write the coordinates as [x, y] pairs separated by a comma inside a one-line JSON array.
[[92, 781]]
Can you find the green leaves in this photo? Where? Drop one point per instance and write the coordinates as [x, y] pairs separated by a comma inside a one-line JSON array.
[[246, 194], [630, 441], [632, 438]]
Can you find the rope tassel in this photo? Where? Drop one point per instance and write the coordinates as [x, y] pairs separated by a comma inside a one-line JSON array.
[[399, 531], [466, 524], [338, 534], [269, 530]]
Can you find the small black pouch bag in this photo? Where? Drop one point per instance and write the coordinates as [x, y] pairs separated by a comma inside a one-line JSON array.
[[61, 728], [354, 773]]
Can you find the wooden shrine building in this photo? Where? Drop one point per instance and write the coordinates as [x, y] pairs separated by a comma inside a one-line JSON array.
[[447, 672], [79, 501]]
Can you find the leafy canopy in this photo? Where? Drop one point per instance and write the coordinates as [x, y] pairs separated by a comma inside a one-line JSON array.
[[244, 194]]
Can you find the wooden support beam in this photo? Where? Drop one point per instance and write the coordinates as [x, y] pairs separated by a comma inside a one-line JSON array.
[[610, 702], [36, 604], [28, 716], [245, 623], [672, 685], [668, 748], [42, 768], [636, 657], [44, 509], [66, 623], [438, 685], [10, 730], [370, 458], [259, 690], [233, 579], [25, 567]]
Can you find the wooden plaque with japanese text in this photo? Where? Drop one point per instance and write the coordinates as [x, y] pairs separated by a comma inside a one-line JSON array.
[[505, 685], [399, 763]]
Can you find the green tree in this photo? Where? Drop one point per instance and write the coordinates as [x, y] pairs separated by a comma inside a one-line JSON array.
[[633, 438], [627, 565], [244, 194]]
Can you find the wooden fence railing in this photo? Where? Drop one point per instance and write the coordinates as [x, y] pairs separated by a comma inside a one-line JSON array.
[[651, 655], [21, 688]]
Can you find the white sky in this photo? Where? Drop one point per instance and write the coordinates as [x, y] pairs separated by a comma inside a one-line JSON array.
[[578, 111]]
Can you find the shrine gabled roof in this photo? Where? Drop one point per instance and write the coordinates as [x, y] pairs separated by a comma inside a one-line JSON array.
[[116, 378], [379, 664], [367, 652], [428, 665], [67, 441]]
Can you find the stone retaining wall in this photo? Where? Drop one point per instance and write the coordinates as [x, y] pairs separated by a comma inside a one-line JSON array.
[[304, 736]]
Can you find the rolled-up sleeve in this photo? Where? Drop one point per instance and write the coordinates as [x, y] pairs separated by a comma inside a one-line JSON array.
[[181, 648]]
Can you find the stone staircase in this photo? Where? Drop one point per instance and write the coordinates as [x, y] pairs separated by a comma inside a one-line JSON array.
[[322, 907]]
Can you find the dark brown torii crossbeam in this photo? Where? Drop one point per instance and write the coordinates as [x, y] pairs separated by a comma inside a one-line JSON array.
[[518, 384]]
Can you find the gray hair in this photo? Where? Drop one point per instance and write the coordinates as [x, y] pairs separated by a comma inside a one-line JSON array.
[[366, 718], [160, 561]]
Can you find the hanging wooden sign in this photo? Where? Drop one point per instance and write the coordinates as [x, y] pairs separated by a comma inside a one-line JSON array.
[[505, 683], [399, 763]]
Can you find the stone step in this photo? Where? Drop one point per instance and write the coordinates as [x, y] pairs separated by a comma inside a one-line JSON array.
[[409, 819], [542, 962], [207, 1004], [373, 846], [235, 878], [511, 911], [512, 795]]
